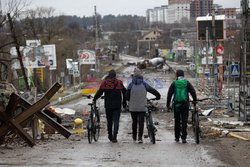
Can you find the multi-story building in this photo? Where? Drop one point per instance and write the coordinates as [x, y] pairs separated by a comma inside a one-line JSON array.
[[229, 12], [178, 11], [157, 15], [170, 2], [201, 7], [150, 16]]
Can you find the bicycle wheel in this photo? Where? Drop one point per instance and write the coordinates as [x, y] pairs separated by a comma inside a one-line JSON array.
[[196, 129], [151, 129], [96, 127], [90, 130]]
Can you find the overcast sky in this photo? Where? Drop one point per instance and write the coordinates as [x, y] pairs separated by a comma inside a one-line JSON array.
[[115, 7]]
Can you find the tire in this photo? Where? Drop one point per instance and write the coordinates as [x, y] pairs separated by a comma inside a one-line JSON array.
[[196, 129], [96, 128], [89, 128], [151, 130]]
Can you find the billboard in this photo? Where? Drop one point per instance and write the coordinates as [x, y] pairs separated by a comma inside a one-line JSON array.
[[35, 57], [206, 22], [87, 56]]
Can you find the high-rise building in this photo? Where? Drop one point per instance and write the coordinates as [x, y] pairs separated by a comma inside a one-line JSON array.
[[170, 2], [201, 7], [178, 11], [229, 12], [157, 15]]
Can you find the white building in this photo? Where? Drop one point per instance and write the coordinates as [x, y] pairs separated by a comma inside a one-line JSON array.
[[178, 11], [157, 15]]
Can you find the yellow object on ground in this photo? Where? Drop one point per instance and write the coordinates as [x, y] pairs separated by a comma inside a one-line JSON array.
[[78, 121], [78, 126], [237, 136], [89, 91], [40, 127]]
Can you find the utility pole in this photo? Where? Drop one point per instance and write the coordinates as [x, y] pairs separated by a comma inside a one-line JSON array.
[[97, 63], [215, 70], [13, 34], [207, 47]]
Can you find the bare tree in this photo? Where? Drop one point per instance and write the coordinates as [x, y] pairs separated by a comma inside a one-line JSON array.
[[42, 22], [14, 8]]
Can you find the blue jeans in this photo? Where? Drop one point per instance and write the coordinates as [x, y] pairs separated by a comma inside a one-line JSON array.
[[113, 118]]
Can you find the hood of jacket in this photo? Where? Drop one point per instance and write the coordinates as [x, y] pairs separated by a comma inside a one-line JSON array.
[[137, 79]]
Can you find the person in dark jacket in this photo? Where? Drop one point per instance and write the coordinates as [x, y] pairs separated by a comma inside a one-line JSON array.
[[181, 109], [136, 94], [114, 96]]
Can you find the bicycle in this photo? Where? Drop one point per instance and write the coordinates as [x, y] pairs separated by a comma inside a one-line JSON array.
[[93, 123], [149, 120], [195, 119]]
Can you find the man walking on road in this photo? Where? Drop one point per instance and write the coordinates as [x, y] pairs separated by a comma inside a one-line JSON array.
[[114, 96], [180, 89], [136, 94]]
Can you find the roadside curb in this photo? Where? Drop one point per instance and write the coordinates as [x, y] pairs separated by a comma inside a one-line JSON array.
[[66, 98]]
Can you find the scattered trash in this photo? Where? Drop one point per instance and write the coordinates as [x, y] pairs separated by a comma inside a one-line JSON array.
[[207, 112], [65, 111]]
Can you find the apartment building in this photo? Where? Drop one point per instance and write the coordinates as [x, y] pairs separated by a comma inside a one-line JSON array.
[[157, 15], [200, 8], [170, 2], [229, 12], [178, 11]]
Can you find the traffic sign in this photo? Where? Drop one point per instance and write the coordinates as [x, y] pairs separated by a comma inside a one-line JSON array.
[[76, 73], [207, 72], [219, 49], [200, 70], [235, 70]]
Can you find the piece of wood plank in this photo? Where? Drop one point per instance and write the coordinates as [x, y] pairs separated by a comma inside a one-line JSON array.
[[16, 127], [61, 129], [40, 114], [38, 106], [12, 105], [26, 114]]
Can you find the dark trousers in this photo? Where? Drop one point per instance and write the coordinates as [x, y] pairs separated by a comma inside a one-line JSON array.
[[113, 118], [137, 119], [181, 119]]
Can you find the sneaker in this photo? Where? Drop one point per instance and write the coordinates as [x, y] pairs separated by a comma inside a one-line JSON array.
[[177, 140], [140, 141], [184, 141]]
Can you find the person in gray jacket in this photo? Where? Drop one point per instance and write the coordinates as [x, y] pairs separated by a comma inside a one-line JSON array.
[[136, 94]]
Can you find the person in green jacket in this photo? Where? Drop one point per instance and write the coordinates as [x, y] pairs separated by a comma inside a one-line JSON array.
[[179, 90]]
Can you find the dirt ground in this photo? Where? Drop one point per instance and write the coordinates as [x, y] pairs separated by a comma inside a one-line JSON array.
[[230, 151]]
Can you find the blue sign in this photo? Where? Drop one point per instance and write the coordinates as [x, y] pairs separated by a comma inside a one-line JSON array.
[[235, 70], [207, 73]]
